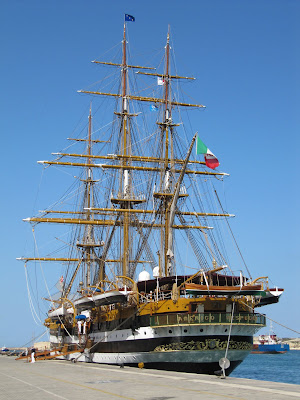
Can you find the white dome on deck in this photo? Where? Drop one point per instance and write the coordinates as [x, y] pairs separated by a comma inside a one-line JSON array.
[[156, 272], [144, 276]]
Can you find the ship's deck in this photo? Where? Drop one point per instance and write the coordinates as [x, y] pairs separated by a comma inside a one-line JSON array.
[[64, 380]]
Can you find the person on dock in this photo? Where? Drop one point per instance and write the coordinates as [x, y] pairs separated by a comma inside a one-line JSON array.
[[33, 355]]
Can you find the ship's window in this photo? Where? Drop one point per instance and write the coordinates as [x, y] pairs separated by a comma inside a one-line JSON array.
[[145, 333], [201, 330], [225, 330], [170, 331], [185, 330]]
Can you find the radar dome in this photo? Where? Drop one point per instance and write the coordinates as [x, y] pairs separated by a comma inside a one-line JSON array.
[[144, 276], [156, 272]]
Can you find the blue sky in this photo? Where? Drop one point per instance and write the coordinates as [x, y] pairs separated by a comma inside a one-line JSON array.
[[245, 56]]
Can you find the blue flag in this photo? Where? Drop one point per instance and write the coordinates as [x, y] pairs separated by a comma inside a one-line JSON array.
[[129, 18], [153, 107]]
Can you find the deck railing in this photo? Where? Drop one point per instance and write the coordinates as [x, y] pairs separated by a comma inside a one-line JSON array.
[[207, 318]]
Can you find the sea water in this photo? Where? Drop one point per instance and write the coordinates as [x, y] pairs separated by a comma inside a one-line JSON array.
[[271, 367]]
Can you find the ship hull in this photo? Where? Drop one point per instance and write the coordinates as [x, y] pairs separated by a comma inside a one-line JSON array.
[[180, 361], [180, 348], [206, 362]]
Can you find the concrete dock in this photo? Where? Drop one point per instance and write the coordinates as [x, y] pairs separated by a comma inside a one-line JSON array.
[[71, 381]]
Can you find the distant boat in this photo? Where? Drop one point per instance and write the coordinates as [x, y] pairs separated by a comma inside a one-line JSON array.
[[270, 344]]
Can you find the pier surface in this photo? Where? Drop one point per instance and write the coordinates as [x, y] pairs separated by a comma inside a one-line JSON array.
[[71, 381]]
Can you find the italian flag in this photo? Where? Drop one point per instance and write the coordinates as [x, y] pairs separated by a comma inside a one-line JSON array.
[[211, 160]]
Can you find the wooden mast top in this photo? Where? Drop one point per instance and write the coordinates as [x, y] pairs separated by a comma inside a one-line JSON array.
[[167, 70], [124, 66]]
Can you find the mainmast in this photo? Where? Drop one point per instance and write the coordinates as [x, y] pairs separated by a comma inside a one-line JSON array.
[[167, 180], [89, 205], [126, 174]]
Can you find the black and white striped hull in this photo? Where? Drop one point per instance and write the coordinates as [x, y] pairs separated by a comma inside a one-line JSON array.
[[179, 348]]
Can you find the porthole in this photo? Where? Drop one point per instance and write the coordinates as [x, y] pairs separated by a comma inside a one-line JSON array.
[[145, 333], [170, 331], [225, 330], [185, 331], [201, 330]]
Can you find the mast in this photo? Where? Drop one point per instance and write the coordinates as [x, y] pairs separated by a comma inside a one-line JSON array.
[[165, 253], [167, 169], [88, 244], [89, 190], [126, 184]]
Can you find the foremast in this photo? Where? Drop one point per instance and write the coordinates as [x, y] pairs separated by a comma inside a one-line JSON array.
[[89, 260], [88, 243]]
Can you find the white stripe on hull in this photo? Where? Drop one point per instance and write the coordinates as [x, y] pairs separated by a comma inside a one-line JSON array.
[[173, 331], [169, 331]]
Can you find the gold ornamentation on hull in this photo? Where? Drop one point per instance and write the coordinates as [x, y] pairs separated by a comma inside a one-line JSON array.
[[207, 344]]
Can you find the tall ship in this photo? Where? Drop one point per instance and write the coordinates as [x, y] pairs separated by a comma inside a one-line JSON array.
[[143, 274]]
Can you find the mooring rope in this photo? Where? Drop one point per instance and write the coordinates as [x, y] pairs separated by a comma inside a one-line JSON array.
[[53, 303], [35, 338], [34, 314], [273, 320], [229, 334]]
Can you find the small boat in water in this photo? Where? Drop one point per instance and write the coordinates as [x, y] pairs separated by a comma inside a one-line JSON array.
[[269, 344]]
